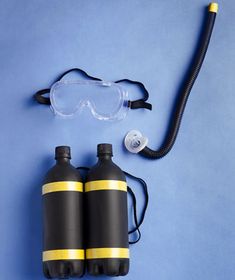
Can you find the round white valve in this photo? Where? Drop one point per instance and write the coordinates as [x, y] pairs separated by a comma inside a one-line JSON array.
[[135, 141]]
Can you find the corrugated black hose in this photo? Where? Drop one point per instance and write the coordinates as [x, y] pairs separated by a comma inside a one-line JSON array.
[[186, 88]]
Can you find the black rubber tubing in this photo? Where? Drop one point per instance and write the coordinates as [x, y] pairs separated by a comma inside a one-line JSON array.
[[184, 92]]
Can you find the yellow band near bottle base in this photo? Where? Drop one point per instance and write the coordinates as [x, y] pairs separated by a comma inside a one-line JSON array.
[[213, 7], [64, 254], [62, 186], [105, 185], [104, 253]]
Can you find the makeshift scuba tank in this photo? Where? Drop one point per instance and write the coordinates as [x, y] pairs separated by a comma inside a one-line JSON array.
[[63, 246], [107, 246]]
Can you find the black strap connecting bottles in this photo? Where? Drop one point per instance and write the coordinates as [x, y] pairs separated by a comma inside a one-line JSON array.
[[135, 104], [138, 222]]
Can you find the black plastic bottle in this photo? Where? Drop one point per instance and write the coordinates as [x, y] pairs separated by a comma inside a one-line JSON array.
[[63, 246], [107, 247]]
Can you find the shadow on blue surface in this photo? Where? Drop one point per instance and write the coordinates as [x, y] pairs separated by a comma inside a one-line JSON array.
[[32, 242]]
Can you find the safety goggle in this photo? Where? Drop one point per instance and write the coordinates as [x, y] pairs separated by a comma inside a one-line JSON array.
[[106, 100]]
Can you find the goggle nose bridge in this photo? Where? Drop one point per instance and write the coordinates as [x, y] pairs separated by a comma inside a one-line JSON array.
[[85, 102]]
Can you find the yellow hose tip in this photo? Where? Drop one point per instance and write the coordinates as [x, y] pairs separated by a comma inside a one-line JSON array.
[[213, 7]]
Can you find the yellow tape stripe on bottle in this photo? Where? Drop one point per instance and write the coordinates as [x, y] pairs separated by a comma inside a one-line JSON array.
[[62, 186], [103, 253], [213, 7], [105, 185], [65, 254]]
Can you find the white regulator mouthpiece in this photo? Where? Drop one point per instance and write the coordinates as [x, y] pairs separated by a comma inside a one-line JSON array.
[[135, 141]]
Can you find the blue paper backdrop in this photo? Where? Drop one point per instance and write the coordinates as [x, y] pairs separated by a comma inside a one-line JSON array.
[[189, 231]]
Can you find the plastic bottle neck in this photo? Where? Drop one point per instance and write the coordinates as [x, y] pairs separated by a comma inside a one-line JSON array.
[[105, 157], [62, 160]]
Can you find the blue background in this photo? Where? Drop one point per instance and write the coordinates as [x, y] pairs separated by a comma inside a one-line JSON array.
[[189, 231]]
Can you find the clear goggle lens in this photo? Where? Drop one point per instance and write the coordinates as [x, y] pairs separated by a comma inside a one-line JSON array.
[[106, 100]]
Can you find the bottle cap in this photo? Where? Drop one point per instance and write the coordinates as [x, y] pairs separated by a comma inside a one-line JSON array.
[[104, 149], [62, 152]]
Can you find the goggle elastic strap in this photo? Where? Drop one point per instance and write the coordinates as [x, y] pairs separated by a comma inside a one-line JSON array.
[[135, 104]]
